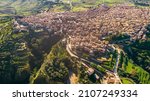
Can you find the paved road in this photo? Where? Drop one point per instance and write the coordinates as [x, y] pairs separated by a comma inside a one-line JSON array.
[[117, 62], [116, 65], [69, 50]]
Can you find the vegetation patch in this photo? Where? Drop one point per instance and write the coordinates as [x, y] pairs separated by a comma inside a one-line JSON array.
[[127, 81]]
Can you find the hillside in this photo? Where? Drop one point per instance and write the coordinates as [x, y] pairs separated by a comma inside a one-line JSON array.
[[26, 7], [82, 41], [96, 24]]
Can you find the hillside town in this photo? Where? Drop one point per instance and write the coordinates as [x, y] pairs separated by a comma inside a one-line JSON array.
[[87, 29]]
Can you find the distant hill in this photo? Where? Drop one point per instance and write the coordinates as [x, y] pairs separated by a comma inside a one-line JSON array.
[[27, 7]]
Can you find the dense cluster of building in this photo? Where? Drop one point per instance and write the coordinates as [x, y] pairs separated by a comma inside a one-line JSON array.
[[86, 28]]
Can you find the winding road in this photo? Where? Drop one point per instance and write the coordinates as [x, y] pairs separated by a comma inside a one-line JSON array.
[[72, 54], [69, 50]]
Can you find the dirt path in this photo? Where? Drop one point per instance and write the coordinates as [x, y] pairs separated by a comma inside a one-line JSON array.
[[73, 78]]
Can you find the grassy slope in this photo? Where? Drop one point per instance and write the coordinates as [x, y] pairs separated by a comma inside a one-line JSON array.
[[27, 7], [18, 59], [24, 8], [57, 52], [80, 5], [137, 70], [127, 81]]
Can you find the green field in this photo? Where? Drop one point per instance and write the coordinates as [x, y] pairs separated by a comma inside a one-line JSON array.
[[127, 81], [30, 7], [135, 72]]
